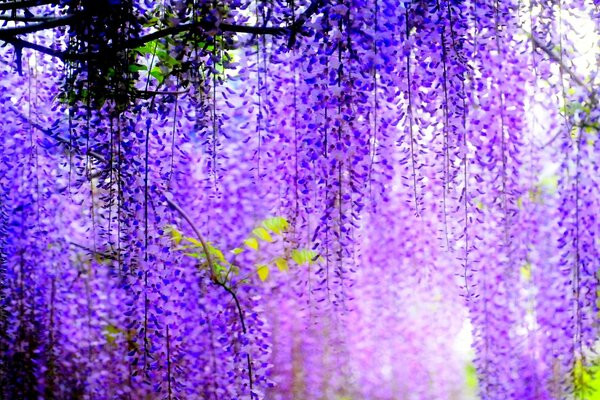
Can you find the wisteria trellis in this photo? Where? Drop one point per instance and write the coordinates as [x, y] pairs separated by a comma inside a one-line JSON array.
[[436, 163]]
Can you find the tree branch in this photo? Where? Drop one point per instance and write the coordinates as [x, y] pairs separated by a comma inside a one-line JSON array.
[[45, 50], [16, 5], [102, 254], [174, 30], [537, 43], [65, 142], [184, 215], [168, 197], [8, 33], [25, 19], [302, 18]]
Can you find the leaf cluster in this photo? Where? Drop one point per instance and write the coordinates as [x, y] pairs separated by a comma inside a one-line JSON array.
[[224, 268]]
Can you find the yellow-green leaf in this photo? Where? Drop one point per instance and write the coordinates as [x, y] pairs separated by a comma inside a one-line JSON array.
[[252, 243], [526, 272], [175, 234], [304, 256], [586, 380], [111, 332], [111, 329], [550, 183], [471, 376], [216, 252], [263, 272], [194, 241], [276, 224], [157, 73], [282, 264], [237, 250], [263, 234], [195, 255], [219, 269]]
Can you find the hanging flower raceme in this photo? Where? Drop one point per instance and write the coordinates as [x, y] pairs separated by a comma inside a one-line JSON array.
[[297, 200], [497, 122]]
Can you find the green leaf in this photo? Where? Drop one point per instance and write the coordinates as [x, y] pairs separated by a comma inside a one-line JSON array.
[[152, 22], [111, 332], [219, 269], [147, 48], [586, 380], [282, 264], [175, 234], [112, 329], [263, 272], [550, 183], [304, 256], [216, 252], [137, 67], [526, 272], [168, 60], [276, 224], [471, 376], [157, 73], [262, 233], [237, 250], [195, 255], [196, 242], [252, 243]]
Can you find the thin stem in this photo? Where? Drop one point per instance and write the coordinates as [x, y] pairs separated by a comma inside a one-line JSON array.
[[186, 217], [446, 176], [169, 390], [65, 142], [558, 59], [214, 277], [410, 118]]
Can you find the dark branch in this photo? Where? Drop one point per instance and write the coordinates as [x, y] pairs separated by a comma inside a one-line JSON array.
[[108, 256], [137, 42], [9, 33], [145, 94], [209, 260], [64, 142], [224, 27], [16, 5], [256, 30], [41, 49], [25, 19], [302, 18], [238, 305]]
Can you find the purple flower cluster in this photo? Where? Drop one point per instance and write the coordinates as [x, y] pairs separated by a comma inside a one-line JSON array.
[[435, 163]]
